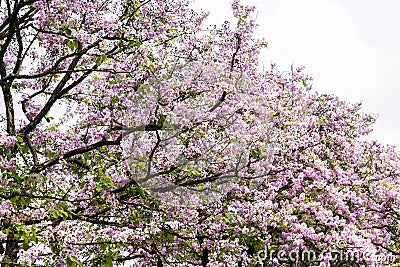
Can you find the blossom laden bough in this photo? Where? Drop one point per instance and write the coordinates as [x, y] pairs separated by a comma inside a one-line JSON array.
[[114, 108], [198, 149]]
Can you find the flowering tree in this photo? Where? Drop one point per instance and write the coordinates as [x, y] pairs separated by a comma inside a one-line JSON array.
[[132, 136]]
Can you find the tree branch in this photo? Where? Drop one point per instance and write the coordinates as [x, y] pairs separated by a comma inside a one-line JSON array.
[[75, 152]]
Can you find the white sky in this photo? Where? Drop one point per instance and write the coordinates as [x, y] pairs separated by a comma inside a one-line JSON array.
[[350, 48]]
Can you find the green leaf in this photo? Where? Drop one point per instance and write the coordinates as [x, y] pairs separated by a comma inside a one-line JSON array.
[[256, 153], [242, 19], [65, 28], [24, 149], [71, 262], [17, 85], [114, 100], [48, 118], [72, 44], [68, 32], [134, 43], [55, 214], [54, 249], [161, 120], [108, 262], [101, 59]]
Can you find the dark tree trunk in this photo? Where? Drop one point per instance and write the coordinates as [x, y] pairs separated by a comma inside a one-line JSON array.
[[204, 258], [12, 249]]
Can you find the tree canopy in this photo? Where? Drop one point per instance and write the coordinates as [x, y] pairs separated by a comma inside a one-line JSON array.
[[135, 135]]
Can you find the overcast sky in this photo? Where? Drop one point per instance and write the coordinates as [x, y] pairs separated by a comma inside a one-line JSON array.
[[351, 48]]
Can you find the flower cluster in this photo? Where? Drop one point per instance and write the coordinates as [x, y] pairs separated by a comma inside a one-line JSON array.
[[134, 136]]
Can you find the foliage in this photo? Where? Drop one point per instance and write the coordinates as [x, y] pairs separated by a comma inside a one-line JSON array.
[[105, 101]]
